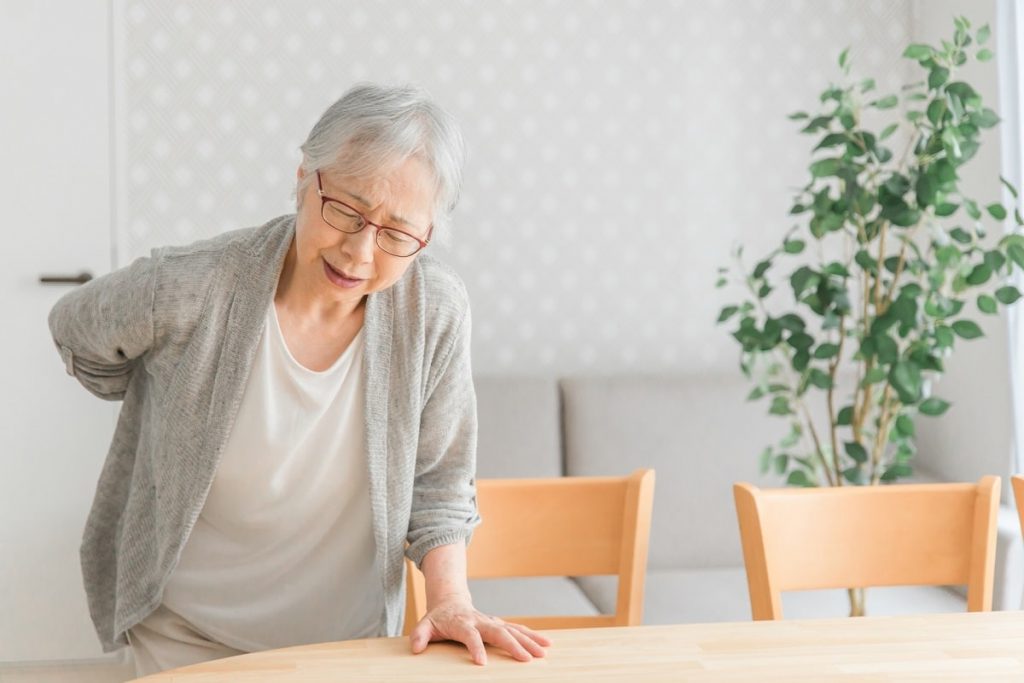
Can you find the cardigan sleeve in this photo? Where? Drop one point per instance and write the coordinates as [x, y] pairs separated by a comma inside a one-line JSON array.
[[444, 509], [102, 328]]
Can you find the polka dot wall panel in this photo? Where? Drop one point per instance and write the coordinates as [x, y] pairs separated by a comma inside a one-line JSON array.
[[618, 149]]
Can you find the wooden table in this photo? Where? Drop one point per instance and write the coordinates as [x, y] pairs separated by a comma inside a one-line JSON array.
[[947, 647]]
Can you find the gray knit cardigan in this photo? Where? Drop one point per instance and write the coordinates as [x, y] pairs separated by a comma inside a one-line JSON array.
[[174, 336]]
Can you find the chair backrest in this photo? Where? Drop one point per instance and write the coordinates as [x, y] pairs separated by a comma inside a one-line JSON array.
[[559, 526], [860, 536], [1017, 482]]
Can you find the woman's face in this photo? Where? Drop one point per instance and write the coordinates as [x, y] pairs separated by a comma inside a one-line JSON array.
[[345, 267]]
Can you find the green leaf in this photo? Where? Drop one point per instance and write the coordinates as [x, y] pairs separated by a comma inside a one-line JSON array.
[[933, 406], [836, 268], [793, 437], [792, 322], [856, 451], [972, 209], [997, 211], [946, 209], [793, 246], [798, 115], [854, 475], [780, 406], [1016, 254], [800, 341], [845, 416], [905, 378], [1009, 186], [937, 77], [986, 118], [755, 394], [936, 110], [986, 304], [888, 130], [816, 124], [820, 379], [983, 34], [875, 376], [761, 268], [843, 57], [799, 478], [918, 51], [1008, 294], [984, 55], [905, 425], [866, 261], [979, 275], [944, 337], [887, 102], [802, 279], [894, 472], [766, 460], [886, 349], [825, 167], [832, 140], [826, 351], [961, 235], [995, 260], [967, 329], [727, 313]]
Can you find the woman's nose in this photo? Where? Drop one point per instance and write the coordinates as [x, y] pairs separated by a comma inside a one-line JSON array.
[[360, 246]]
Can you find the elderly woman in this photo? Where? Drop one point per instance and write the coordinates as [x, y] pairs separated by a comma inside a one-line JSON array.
[[298, 412]]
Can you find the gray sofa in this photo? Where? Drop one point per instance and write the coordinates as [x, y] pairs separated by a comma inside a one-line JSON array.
[[700, 436]]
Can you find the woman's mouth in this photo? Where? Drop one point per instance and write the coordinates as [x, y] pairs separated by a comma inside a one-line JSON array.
[[340, 278]]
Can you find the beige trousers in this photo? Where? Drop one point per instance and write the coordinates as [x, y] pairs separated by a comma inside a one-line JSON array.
[[164, 640]]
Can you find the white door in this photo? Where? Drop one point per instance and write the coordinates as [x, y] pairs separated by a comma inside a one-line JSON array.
[[55, 192]]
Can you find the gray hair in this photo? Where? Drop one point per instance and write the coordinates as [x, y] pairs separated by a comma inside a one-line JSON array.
[[374, 127]]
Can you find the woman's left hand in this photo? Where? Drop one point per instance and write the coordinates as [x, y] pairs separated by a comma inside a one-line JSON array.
[[456, 619]]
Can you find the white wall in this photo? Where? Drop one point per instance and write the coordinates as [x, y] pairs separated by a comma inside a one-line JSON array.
[[618, 149]]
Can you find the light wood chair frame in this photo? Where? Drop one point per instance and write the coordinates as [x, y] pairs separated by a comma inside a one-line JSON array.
[[559, 526], [1017, 483], [861, 536]]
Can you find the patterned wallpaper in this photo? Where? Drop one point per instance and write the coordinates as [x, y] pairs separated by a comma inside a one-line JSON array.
[[618, 148]]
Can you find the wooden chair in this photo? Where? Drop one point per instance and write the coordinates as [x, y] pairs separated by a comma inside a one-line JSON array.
[[1017, 482], [561, 526], [860, 536]]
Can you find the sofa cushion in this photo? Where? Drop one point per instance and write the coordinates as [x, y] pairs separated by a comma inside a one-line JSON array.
[[720, 594], [519, 432], [697, 432], [534, 596]]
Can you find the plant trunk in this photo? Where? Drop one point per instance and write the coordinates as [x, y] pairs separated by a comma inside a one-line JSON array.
[[856, 601]]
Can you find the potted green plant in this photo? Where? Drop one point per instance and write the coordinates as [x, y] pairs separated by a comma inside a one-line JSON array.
[[879, 277]]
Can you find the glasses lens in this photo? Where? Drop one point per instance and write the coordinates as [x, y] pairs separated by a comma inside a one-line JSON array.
[[341, 218], [397, 243]]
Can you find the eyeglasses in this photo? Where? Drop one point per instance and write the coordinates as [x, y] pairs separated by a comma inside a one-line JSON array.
[[345, 218]]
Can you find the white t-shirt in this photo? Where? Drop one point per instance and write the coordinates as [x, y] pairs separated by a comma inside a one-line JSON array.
[[283, 551]]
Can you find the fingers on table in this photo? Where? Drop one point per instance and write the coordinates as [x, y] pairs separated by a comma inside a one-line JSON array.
[[533, 635], [471, 638], [509, 640]]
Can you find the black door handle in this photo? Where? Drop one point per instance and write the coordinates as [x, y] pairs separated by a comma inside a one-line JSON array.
[[79, 279]]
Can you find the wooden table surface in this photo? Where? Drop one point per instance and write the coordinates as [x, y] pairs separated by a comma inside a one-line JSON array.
[[948, 647]]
